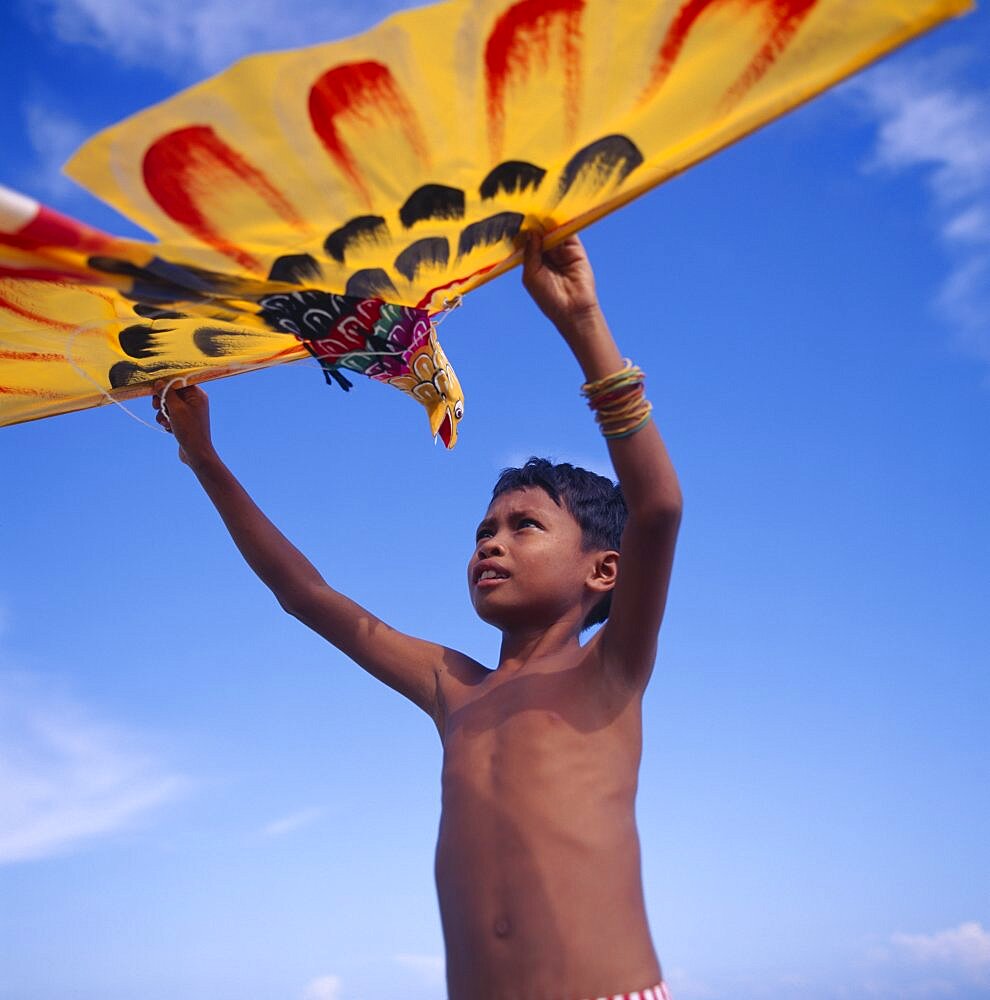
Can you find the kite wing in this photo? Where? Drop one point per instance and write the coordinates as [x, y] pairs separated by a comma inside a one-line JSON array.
[[86, 318], [400, 166]]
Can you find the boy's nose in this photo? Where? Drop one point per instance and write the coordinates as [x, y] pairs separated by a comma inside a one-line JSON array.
[[490, 547]]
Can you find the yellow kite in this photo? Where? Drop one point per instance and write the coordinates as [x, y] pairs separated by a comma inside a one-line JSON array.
[[331, 201]]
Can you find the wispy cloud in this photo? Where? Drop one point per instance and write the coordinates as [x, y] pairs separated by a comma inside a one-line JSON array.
[[930, 120], [323, 988], [190, 39], [65, 776], [54, 137], [950, 963], [965, 947], [292, 822]]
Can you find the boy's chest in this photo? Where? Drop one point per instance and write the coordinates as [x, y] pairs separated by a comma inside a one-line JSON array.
[[540, 731], [526, 701]]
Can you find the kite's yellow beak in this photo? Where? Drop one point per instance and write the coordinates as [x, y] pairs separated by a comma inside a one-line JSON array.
[[433, 383], [448, 408]]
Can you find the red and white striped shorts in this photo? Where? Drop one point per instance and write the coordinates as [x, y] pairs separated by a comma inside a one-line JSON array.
[[658, 992]]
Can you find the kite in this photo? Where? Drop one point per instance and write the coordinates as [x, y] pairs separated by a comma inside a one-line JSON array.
[[333, 201]]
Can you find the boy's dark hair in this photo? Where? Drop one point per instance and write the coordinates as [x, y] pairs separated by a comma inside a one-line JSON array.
[[594, 501]]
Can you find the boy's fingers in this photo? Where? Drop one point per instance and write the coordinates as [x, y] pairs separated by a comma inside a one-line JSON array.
[[533, 253]]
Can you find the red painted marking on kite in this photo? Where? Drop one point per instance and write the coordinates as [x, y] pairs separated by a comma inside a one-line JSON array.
[[349, 93], [52, 229], [13, 307], [29, 356], [424, 302], [783, 19], [46, 274], [520, 38], [183, 169], [9, 390]]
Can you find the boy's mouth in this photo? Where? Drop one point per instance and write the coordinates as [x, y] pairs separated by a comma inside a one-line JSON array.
[[488, 576]]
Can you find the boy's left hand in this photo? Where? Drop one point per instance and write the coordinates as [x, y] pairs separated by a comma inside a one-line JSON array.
[[560, 281]]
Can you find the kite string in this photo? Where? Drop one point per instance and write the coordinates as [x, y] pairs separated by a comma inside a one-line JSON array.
[[449, 305], [85, 375], [182, 379]]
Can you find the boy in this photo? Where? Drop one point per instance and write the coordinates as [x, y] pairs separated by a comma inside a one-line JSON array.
[[537, 861]]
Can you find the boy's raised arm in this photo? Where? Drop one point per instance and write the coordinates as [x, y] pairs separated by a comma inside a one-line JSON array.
[[562, 284], [409, 666]]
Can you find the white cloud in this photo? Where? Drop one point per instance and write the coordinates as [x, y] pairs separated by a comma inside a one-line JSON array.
[[950, 963], [323, 988], [66, 777], [287, 824], [54, 137], [190, 39], [929, 120], [966, 946]]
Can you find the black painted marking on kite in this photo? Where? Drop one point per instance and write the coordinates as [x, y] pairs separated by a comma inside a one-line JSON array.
[[433, 251], [432, 201], [182, 276], [512, 177], [607, 161], [295, 269], [159, 281], [149, 311], [487, 232], [216, 342], [371, 283], [127, 373], [310, 314], [139, 341], [362, 230]]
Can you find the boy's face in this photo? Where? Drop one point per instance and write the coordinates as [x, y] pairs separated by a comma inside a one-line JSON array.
[[529, 565]]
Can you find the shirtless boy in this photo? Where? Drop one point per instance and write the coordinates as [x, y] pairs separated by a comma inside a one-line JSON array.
[[537, 861]]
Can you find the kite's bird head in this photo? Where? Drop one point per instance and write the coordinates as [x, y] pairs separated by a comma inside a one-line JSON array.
[[432, 382]]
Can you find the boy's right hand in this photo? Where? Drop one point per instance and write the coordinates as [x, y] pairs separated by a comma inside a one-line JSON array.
[[186, 415]]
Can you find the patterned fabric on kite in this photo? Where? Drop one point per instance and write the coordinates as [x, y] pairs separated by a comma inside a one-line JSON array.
[[330, 201]]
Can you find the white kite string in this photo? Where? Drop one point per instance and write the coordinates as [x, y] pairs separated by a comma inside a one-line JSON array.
[[182, 379], [84, 374], [448, 307]]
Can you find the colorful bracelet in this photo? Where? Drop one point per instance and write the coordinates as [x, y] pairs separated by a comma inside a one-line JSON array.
[[619, 401]]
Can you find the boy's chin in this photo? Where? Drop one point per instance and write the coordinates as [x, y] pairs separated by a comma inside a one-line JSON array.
[[491, 613], [508, 617]]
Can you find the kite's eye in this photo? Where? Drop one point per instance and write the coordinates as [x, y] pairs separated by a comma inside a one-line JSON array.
[[458, 410]]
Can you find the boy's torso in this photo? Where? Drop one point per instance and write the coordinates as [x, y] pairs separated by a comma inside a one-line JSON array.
[[537, 862]]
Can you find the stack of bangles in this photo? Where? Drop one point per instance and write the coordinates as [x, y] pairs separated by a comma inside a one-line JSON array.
[[619, 401]]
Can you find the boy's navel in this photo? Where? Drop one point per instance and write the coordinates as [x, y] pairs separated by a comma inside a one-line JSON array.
[[502, 927]]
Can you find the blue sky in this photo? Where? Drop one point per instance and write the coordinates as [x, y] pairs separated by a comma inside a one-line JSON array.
[[200, 799]]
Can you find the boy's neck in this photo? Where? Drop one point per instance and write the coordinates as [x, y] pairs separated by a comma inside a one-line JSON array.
[[522, 646]]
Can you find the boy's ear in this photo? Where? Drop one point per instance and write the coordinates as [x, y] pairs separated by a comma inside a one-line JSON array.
[[605, 571]]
